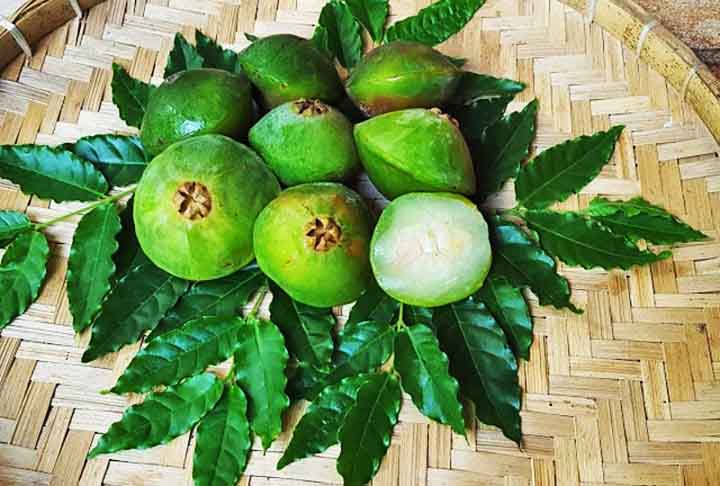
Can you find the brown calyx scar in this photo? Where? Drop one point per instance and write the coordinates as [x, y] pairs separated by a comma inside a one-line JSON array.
[[323, 234], [310, 107], [193, 200]]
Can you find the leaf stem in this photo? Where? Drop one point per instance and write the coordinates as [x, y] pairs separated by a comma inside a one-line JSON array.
[[400, 323], [84, 209], [260, 296]]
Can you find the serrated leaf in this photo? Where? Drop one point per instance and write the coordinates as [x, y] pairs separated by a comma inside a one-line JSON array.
[[90, 265], [564, 169], [51, 173], [637, 219], [260, 361], [475, 117], [214, 55], [505, 144], [435, 23], [22, 271], [162, 416], [183, 56], [424, 374], [130, 95], [307, 329], [12, 223], [318, 427], [180, 353], [224, 297], [305, 380], [321, 39], [483, 363], [373, 305], [522, 261], [129, 255], [367, 429], [372, 14], [582, 241], [135, 305], [223, 441], [121, 158], [507, 304], [344, 36], [474, 87]]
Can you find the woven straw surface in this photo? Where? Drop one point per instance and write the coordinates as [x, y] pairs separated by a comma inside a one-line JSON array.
[[627, 393]]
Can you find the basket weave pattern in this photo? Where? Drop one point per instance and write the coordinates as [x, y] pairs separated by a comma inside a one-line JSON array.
[[626, 394]]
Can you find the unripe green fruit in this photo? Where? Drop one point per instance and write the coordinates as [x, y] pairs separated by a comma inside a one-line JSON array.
[[306, 141], [402, 75], [415, 150], [430, 249], [313, 242], [197, 102], [196, 204], [285, 68]]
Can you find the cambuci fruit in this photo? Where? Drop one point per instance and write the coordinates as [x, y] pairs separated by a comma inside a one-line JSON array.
[[430, 249], [306, 141], [415, 150], [197, 102], [313, 241], [196, 204]]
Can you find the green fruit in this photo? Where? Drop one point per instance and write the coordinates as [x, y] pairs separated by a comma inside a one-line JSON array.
[[415, 150], [313, 242], [285, 68], [196, 204], [402, 75], [306, 141], [430, 249], [197, 102]]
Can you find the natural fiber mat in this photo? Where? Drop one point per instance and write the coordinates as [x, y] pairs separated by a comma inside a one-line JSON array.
[[626, 394]]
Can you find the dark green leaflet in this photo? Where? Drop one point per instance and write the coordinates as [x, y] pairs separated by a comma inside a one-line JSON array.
[[374, 305], [474, 86], [130, 96], [214, 55], [372, 14], [129, 255], [182, 57], [475, 117], [12, 223], [417, 315], [436, 23], [305, 380], [121, 158], [344, 37]]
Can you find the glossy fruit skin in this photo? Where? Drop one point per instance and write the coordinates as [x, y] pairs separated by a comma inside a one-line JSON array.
[[306, 141], [239, 185], [286, 67], [401, 75], [415, 150], [174, 112], [430, 249], [291, 258]]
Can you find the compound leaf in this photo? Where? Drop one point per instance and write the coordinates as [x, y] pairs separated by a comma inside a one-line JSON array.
[[121, 158], [435, 23], [214, 55], [130, 95], [372, 14], [182, 57], [344, 36]]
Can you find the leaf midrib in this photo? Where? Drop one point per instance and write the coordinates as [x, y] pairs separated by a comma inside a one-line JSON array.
[[367, 423]]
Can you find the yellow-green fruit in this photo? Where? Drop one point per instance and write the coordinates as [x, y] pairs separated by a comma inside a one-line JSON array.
[[286, 68], [306, 141], [402, 75], [196, 204], [197, 102], [430, 249], [313, 242], [415, 150]]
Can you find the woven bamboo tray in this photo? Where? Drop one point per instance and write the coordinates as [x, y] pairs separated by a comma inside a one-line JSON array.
[[626, 394]]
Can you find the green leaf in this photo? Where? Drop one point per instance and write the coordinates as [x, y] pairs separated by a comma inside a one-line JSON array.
[[260, 361], [582, 241], [344, 35], [520, 260], [504, 145], [130, 95], [417, 315], [162, 416], [367, 430], [475, 117], [180, 353], [507, 304], [307, 329], [51, 173], [12, 223], [121, 158], [564, 169], [22, 272], [436, 23], [372, 14], [481, 359], [318, 428], [135, 305], [182, 57], [305, 380], [374, 305], [223, 441], [251, 37], [457, 61], [424, 374], [321, 39], [90, 265], [214, 55], [474, 87], [637, 219], [224, 297], [129, 255]]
